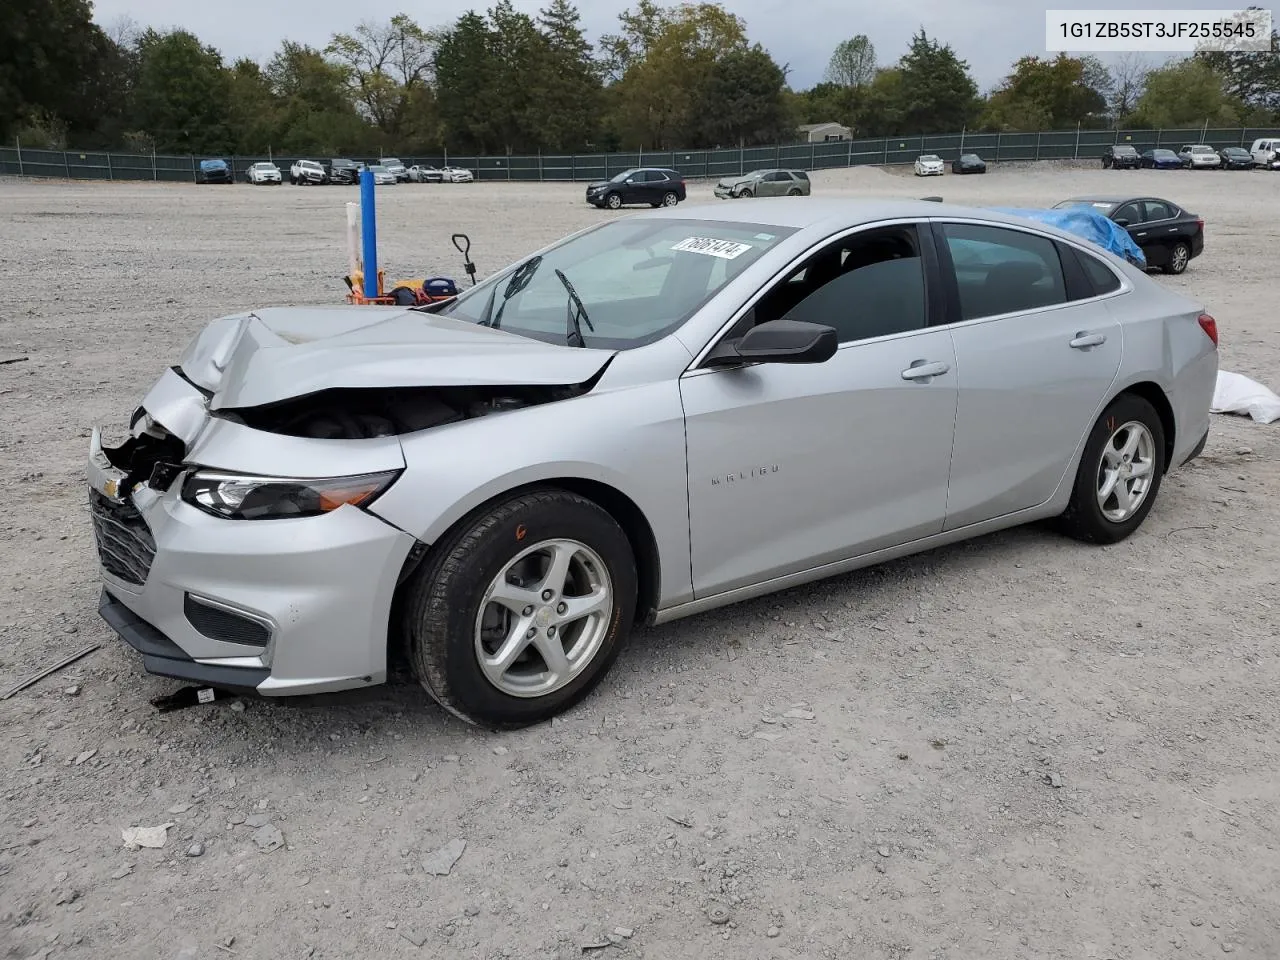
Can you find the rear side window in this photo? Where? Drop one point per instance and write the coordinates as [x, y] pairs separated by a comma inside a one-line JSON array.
[[800, 175], [1002, 271], [1159, 210], [1100, 275]]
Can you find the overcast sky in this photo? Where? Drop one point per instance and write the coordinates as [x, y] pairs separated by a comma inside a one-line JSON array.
[[990, 34]]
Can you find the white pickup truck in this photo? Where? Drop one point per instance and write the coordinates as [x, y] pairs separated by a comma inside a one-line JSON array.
[[307, 171]]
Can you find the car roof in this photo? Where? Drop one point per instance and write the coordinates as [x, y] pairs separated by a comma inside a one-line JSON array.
[[1117, 201], [832, 214]]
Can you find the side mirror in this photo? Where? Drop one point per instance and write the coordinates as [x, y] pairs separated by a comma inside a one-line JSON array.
[[1123, 222], [778, 341]]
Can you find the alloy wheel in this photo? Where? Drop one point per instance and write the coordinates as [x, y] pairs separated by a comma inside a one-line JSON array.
[[544, 618], [1125, 471]]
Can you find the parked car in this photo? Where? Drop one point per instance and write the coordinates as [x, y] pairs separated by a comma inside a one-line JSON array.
[[1266, 152], [928, 165], [1161, 160], [656, 186], [311, 485], [456, 175], [1199, 156], [382, 176], [1169, 236], [264, 172], [302, 172], [1121, 156], [214, 171], [342, 170], [968, 163], [420, 174], [1236, 158], [765, 183], [398, 169]]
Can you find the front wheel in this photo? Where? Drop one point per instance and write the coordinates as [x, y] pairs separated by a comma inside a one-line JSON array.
[[1179, 257], [523, 609], [613, 201], [669, 199], [746, 193], [1120, 473]]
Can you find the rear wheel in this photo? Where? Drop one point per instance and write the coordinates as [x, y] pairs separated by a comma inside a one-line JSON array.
[[1120, 473], [523, 609], [670, 199], [793, 192], [1179, 257]]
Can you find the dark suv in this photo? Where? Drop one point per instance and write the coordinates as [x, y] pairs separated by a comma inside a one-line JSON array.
[[656, 186], [1121, 156], [344, 171]]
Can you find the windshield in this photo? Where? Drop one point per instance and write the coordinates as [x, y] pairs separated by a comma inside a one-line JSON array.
[[378, 169], [264, 166], [1164, 153], [929, 157], [1202, 149], [1127, 151], [638, 280], [618, 178]]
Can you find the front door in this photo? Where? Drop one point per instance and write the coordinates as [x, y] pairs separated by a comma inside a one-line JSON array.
[[795, 466], [1034, 368]]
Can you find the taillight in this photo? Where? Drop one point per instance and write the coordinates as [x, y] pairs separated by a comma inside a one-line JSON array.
[[1200, 223], [1210, 327]]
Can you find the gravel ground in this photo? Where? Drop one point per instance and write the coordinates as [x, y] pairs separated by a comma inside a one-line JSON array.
[[1020, 747]]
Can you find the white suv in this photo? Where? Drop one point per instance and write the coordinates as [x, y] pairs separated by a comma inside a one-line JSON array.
[[263, 173], [307, 171], [1266, 152], [1199, 156]]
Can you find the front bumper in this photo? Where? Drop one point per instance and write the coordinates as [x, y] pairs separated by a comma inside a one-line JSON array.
[[290, 606], [724, 193]]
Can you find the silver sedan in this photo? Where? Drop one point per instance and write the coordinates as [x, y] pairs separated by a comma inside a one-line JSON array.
[[652, 418]]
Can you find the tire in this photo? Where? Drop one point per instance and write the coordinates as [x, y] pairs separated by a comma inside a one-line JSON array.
[[746, 194], [613, 201], [1085, 518], [794, 192], [670, 198], [1106, 164], [446, 606], [1179, 257]]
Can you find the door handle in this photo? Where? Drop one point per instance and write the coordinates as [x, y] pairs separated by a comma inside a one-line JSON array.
[[925, 370], [1083, 341]]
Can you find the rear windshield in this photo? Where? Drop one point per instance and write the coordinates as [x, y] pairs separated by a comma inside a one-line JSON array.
[[639, 280]]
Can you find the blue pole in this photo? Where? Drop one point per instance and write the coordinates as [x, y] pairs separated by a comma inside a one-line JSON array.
[[369, 234]]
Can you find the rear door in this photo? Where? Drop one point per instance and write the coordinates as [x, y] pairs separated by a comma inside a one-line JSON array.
[[1162, 227], [1035, 358]]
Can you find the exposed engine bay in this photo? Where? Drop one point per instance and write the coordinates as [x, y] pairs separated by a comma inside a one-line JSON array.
[[361, 414]]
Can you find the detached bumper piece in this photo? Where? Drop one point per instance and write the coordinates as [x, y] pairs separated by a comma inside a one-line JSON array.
[[164, 658]]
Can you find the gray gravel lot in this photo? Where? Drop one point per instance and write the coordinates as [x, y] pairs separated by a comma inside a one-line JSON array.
[[1020, 747]]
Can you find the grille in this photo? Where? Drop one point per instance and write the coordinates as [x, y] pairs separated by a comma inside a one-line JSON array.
[[219, 624], [125, 545]]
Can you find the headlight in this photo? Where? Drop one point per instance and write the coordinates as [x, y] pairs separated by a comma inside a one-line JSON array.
[[239, 497]]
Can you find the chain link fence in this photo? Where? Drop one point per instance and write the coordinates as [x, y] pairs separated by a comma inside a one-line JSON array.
[[693, 164]]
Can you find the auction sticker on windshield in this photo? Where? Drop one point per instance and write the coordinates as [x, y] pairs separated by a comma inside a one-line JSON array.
[[724, 249]]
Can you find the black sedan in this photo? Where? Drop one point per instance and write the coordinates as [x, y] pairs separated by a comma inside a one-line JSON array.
[[1169, 236], [1121, 156], [968, 163], [1162, 160], [1236, 158]]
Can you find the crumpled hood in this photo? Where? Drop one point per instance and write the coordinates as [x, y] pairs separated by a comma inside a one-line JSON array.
[[264, 356], [735, 181]]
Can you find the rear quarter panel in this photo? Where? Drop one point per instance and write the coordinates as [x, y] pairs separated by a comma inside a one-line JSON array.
[[1164, 344]]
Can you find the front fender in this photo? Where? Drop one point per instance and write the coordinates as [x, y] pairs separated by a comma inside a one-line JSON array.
[[630, 439]]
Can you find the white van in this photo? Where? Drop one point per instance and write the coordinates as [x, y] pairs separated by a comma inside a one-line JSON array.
[[1266, 152]]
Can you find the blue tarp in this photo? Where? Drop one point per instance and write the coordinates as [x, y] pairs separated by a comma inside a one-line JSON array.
[[1084, 221]]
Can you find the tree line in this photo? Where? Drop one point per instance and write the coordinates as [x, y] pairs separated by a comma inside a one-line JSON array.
[[503, 81]]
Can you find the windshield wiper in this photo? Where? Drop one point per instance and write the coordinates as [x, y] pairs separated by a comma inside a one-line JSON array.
[[520, 278], [573, 336]]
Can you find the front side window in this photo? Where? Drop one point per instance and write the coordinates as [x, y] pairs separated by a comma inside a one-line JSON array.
[[1130, 213], [870, 284], [639, 280], [1001, 271]]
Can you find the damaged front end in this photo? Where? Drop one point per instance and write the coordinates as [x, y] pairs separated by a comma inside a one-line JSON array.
[[232, 524]]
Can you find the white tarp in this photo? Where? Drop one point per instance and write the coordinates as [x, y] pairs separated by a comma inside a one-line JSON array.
[[1236, 393]]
